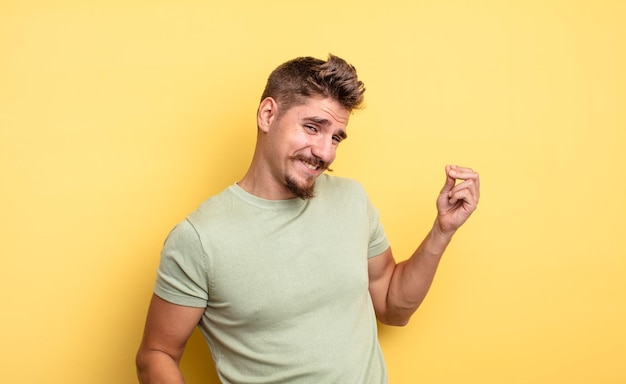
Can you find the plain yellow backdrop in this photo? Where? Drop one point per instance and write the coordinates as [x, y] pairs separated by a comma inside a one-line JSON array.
[[117, 118]]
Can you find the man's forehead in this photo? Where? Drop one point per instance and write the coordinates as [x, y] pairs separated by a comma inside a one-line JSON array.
[[325, 111]]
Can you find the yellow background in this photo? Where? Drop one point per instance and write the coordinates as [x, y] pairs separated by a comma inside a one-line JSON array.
[[117, 118]]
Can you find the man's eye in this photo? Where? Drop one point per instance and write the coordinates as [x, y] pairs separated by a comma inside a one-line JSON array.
[[337, 139], [311, 128]]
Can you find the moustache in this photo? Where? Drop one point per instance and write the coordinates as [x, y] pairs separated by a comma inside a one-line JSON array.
[[324, 166]]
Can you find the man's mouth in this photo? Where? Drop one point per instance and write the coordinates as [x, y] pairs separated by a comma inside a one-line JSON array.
[[310, 165]]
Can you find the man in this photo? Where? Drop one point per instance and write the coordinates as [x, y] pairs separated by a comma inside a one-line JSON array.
[[286, 271]]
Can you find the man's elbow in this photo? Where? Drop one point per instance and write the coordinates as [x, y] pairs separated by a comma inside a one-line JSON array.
[[394, 320], [141, 366], [155, 366]]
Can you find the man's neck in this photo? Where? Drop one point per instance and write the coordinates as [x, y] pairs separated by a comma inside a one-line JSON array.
[[254, 182]]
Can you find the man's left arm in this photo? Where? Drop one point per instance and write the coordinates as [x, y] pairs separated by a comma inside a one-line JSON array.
[[397, 290]]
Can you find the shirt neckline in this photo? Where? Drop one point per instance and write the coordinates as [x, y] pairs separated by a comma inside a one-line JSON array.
[[265, 203]]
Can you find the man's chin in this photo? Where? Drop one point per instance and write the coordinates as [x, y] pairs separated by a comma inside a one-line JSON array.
[[302, 191]]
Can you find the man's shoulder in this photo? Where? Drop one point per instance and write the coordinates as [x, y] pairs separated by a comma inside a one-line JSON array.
[[212, 207]]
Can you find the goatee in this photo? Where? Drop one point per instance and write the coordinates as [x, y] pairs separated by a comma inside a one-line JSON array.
[[303, 192]]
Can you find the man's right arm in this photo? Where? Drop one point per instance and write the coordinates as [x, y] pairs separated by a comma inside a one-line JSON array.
[[168, 327]]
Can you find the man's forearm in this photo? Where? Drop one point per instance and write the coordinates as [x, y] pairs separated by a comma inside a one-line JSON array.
[[413, 277]]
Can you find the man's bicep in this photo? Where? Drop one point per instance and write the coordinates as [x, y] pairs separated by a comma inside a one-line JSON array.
[[168, 327], [380, 270]]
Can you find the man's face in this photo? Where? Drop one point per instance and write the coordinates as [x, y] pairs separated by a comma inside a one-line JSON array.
[[303, 143]]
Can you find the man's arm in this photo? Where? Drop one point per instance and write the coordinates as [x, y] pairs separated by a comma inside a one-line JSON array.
[[168, 327], [397, 290]]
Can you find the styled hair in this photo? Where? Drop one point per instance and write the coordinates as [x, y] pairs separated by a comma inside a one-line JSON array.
[[293, 82]]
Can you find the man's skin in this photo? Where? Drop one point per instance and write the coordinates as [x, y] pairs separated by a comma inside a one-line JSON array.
[[299, 144]]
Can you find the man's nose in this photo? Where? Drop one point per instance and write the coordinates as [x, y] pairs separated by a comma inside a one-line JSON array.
[[324, 149]]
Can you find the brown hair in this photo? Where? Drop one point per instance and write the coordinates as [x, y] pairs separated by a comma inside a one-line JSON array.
[[291, 83]]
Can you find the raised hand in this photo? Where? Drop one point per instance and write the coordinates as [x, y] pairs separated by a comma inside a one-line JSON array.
[[456, 202]]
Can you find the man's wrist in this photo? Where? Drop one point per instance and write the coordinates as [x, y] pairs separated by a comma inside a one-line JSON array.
[[436, 241], [441, 235]]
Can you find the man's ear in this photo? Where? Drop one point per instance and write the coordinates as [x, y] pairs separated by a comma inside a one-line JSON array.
[[267, 113]]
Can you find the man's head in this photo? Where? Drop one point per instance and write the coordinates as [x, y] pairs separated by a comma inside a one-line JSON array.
[[293, 82], [301, 120]]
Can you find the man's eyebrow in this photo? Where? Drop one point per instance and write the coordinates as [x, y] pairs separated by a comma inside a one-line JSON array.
[[325, 122], [318, 120]]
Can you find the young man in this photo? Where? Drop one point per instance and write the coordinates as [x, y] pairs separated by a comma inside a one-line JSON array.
[[286, 271]]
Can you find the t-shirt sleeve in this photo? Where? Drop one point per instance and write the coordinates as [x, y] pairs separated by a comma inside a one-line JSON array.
[[378, 242], [182, 277]]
